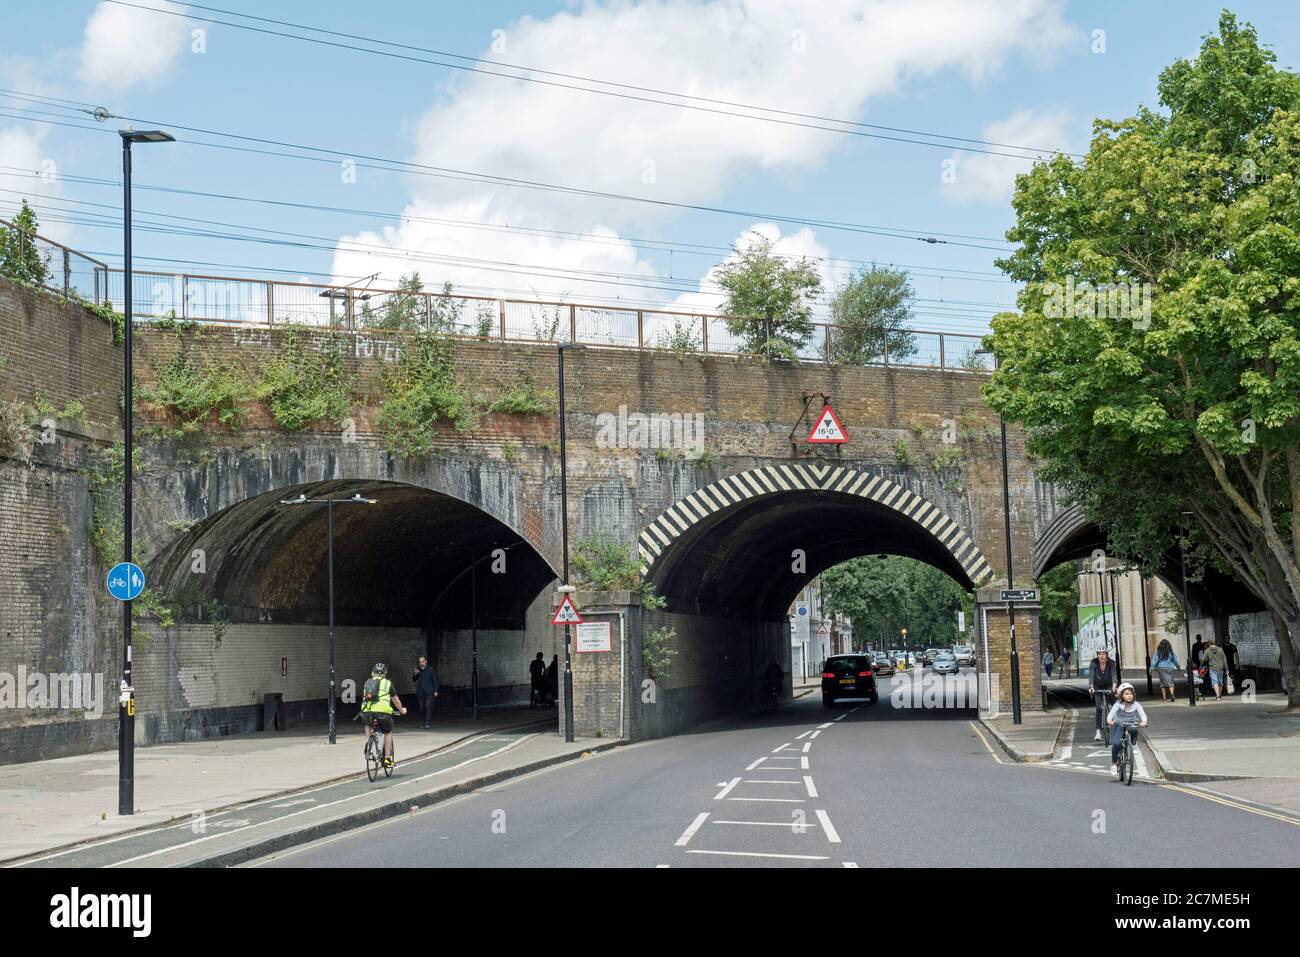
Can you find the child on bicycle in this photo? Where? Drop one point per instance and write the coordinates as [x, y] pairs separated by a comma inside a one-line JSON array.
[[1125, 717]]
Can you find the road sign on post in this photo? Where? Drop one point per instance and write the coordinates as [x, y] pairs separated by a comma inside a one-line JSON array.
[[827, 429], [125, 581], [567, 613], [1020, 594]]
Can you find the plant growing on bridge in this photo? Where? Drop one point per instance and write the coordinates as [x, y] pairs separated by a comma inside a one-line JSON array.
[[606, 564], [657, 652], [16, 438], [766, 300], [1181, 391], [20, 259], [903, 452], [303, 385], [104, 476], [524, 398], [870, 313], [422, 389], [191, 393]]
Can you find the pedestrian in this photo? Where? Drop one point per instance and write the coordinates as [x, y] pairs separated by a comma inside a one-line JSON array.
[[1198, 649], [1102, 679], [1216, 663], [537, 672], [426, 688], [553, 679], [1125, 717], [1165, 666], [1230, 652], [1048, 661], [1065, 662]]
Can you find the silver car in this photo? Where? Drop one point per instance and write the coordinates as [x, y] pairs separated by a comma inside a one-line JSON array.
[[944, 664]]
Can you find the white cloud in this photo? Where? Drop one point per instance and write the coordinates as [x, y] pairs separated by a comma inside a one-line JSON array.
[[125, 45], [985, 178], [831, 59], [28, 171]]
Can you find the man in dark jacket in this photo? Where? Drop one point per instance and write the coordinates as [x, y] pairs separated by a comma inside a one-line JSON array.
[[553, 679], [537, 672], [426, 688], [1103, 677]]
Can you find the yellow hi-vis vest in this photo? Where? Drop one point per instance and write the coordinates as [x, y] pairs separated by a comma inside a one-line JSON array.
[[383, 699]]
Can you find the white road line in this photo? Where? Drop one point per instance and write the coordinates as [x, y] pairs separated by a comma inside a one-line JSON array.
[[1070, 721], [823, 727], [846, 864], [690, 831], [726, 789], [814, 734], [804, 735], [808, 783], [756, 763], [768, 823], [840, 718], [771, 800], [803, 763], [788, 857], [831, 834], [765, 781], [657, 866], [807, 747], [781, 748]]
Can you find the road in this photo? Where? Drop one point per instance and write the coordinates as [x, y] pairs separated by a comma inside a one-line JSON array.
[[855, 786]]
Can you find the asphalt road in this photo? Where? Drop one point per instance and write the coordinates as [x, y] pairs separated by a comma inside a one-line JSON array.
[[853, 786]]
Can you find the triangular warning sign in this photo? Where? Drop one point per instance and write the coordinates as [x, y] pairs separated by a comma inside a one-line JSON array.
[[567, 613], [827, 429], [823, 631]]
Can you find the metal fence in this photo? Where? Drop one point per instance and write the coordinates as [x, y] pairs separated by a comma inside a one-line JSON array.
[[53, 266], [238, 301]]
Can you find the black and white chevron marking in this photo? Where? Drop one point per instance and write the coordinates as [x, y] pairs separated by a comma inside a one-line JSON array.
[[773, 479]]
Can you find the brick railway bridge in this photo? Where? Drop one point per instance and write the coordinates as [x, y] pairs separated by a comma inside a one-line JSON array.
[[463, 545]]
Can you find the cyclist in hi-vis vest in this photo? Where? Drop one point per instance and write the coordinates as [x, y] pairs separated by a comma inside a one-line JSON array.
[[378, 702]]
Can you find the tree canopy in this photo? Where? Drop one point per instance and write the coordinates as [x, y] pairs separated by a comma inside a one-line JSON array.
[[1155, 357], [870, 313], [883, 595], [20, 260], [766, 300]]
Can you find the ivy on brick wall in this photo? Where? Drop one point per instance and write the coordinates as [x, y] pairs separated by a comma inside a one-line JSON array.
[[607, 564], [303, 385], [422, 388]]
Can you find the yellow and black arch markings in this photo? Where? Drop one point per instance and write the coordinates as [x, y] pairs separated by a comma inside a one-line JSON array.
[[796, 476]]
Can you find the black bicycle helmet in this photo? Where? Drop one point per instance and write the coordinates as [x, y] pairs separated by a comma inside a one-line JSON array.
[[380, 669]]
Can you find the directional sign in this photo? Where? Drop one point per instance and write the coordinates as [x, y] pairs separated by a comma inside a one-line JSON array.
[[1020, 594], [125, 581], [567, 613], [827, 429]]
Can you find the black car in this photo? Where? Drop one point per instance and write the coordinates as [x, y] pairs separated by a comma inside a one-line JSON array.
[[848, 676]]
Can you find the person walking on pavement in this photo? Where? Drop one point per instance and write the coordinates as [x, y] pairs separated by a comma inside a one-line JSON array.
[[1165, 666], [1048, 661], [553, 679], [537, 672], [426, 688], [1065, 662], [1102, 679], [1230, 652], [1216, 663]]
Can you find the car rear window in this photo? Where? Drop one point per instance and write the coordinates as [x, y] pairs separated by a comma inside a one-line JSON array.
[[844, 666]]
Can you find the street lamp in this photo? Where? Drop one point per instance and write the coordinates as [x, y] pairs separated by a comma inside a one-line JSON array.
[[356, 499], [126, 712], [1187, 622], [564, 537]]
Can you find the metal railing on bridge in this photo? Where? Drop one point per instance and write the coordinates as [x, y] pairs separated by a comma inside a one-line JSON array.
[[55, 267], [236, 301]]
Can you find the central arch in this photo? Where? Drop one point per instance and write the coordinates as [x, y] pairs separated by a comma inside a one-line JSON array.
[[839, 510]]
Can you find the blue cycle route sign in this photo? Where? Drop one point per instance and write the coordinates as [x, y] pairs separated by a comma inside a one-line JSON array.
[[125, 581]]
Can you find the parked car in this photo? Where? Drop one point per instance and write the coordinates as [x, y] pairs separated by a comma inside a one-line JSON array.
[[847, 676], [882, 664], [945, 663], [965, 655]]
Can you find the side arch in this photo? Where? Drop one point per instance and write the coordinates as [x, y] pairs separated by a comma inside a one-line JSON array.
[[707, 503]]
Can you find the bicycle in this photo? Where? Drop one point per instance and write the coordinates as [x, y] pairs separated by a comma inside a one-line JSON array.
[[375, 751], [1126, 757]]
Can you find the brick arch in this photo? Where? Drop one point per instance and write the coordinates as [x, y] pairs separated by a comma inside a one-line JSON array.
[[754, 483]]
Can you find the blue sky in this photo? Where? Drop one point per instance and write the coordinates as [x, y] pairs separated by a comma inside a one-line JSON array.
[[1016, 71]]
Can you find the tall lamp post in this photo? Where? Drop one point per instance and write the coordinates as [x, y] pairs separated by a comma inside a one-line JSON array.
[[1187, 622], [561, 347], [126, 713], [356, 499]]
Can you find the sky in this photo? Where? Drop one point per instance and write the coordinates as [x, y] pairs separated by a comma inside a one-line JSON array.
[[466, 141]]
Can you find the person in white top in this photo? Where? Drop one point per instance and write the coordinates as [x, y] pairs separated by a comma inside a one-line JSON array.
[[1125, 714]]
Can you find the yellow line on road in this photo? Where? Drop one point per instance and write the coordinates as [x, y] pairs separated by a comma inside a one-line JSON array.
[[980, 734], [1230, 803]]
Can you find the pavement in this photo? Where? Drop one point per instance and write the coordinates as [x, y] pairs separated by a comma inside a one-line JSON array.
[[52, 804]]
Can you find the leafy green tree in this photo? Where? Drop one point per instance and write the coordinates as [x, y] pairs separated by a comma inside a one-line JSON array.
[[1058, 590], [767, 300], [20, 260], [870, 313], [1182, 392], [884, 595]]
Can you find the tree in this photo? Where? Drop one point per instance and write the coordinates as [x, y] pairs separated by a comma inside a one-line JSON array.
[[20, 259], [1059, 592], [1155, 359], [884, 595], [870, 313], [766, 300]]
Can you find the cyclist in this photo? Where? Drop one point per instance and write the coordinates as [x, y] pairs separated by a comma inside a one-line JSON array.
[[378, 702], [1125, 717], [1102, 676], [775, 676]]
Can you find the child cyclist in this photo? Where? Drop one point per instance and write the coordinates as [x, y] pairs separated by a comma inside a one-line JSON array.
[[1125, 717]]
